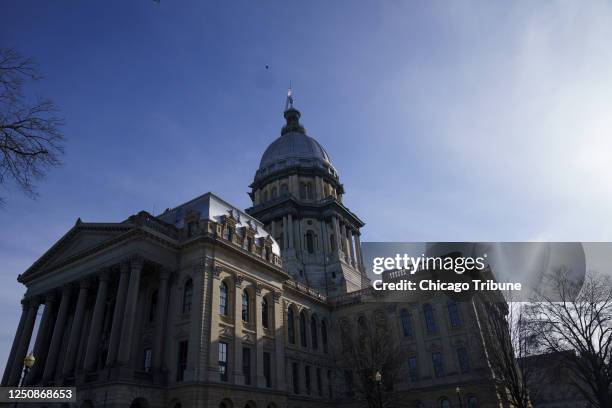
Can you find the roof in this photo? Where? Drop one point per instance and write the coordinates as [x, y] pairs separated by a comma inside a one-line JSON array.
[[212, 207]]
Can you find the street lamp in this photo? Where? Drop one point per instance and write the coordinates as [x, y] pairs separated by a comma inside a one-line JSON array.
[[458, 391], [28, 362], [378, 380]]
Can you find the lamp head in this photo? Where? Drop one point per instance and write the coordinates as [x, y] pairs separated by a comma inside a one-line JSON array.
[[378, 376], [29, 360]]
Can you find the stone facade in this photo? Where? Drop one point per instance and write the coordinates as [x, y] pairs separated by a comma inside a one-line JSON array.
[[209, 306]]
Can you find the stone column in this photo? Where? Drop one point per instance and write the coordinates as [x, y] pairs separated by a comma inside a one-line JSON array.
[[260, 380], [24, 342], [324, 237], [237, 357], [273, 229], [117, 323], [358, 250], [349, 245], [93, 342], [58, 335], [160, 324], [337, 237], [75, 331], [291, 236], [129, 318], [285, 233], [16, 340], [213, 355], [279, 342], [40, 352]]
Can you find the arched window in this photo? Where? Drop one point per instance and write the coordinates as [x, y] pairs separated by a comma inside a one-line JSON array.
[[453, 314], [303, 329], [245, 306], [153, 306], [314, 333], [430, 321], [445, 403], [291, 326], [472, 402], [274, 193], [406, 323], [310, 242], [283, 189], [223, 299], [324, 335], [265, 313], [187, 296]]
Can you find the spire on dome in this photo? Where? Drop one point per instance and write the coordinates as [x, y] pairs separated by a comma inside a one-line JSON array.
[[292, 116]]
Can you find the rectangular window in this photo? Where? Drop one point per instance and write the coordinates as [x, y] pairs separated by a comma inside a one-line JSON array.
[[438, 364], [464, 361], [319, 382], [223, 361], [267, 369], [307, 379], [413, 368], [146, 364], [246, 365], [453, 314], [295, 371], [181, 365]]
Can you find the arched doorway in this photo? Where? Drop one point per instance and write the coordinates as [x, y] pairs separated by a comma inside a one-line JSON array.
[[139, 403]]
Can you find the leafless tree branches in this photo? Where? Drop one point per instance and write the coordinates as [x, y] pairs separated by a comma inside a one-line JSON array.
[[30, 136], [364, 350], [509, 343], [578, 319]]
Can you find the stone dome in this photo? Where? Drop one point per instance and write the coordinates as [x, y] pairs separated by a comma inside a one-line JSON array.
[[293, 145], [294, 148]]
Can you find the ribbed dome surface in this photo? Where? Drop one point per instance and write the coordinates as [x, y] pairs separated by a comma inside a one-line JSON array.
[[293, 145]]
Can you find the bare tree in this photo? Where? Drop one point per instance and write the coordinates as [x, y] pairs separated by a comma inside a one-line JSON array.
[[30, 136], [509, 344], [575, 321], [361, 355]]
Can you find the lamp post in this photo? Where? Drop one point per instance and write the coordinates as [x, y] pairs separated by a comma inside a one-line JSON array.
[[28, 362], [458, 391], [378, 380]]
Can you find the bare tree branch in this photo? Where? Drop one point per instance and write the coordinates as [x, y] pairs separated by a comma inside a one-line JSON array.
[[577, 324], [30, 137]]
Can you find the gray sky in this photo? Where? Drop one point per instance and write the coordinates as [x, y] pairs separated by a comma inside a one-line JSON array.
[[470, 121]]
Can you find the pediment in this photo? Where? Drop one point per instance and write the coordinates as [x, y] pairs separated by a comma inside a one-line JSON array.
[[81, 240]]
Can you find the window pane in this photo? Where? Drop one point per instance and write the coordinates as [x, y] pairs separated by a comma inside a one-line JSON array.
[[437, 364], [464, 362], [406, 323], [430, 322], [453, 314]]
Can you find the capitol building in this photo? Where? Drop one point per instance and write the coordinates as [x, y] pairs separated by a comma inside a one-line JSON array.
[[210, 305]]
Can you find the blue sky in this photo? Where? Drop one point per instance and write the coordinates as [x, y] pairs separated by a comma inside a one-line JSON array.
[[483, 121]]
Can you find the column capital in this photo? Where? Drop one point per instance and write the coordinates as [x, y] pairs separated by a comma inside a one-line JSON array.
[[105, 275], [216, 272], [238, 280], [51, 297], [277, 296], [32, 301], [84, 284], [258, 288]]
